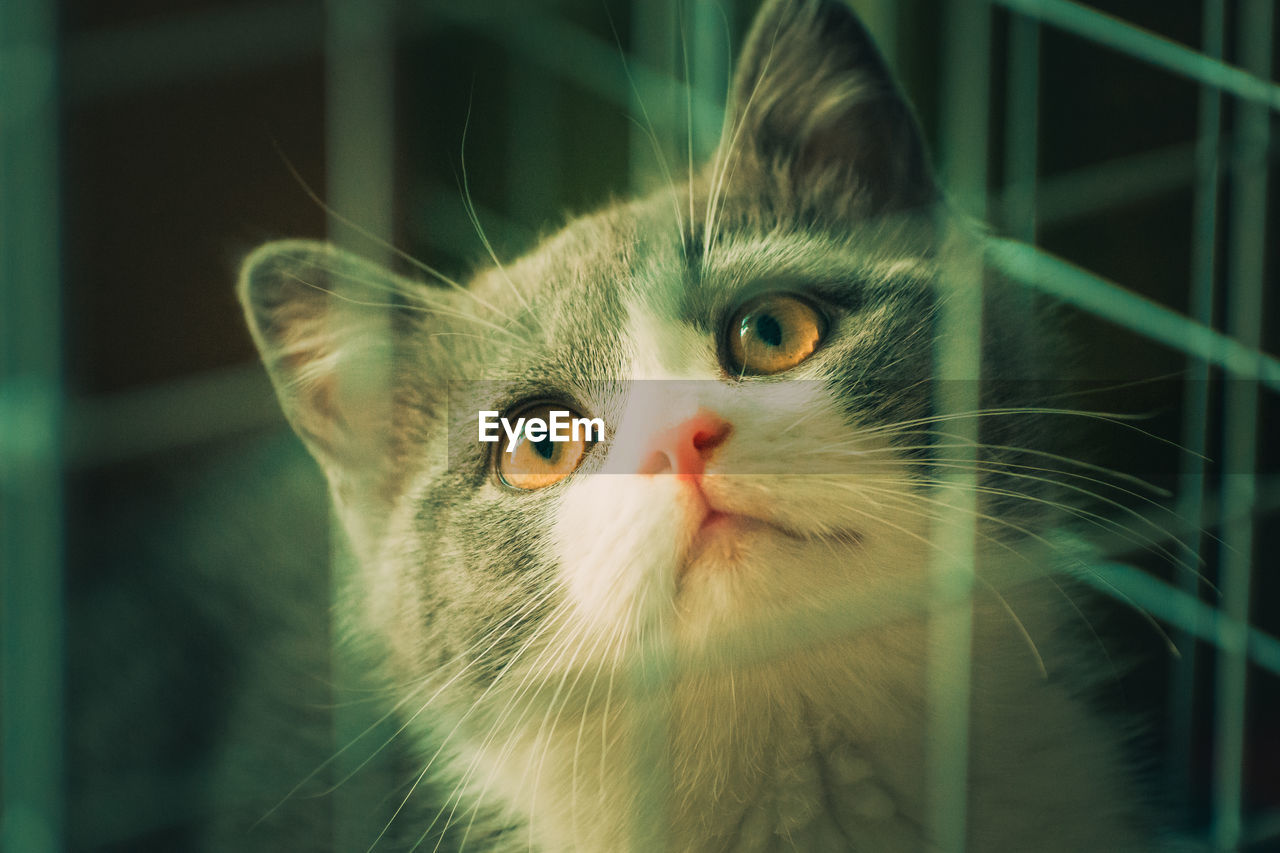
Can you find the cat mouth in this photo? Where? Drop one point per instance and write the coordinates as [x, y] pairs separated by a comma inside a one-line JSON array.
[[717, 522], [721, 538], [724, 536]]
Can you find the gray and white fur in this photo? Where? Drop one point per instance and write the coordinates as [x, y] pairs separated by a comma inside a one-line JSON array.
[[517, 625]]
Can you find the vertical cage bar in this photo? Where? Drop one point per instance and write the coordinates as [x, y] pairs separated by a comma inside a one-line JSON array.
[[709, 25], [957, 371], [32, 610], [651, 682], [359, 118], [359, 155], [965, 98], [1247, 254], [1195, 416], [1022, 128], [656, 145]]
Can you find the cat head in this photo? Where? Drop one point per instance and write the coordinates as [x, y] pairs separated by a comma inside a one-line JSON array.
[[758, 341]]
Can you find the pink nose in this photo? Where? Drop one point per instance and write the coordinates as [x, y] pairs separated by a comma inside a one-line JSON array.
[[684, 449]]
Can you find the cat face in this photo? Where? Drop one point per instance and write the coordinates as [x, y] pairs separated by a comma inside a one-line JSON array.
[[718, 490], [758, 341]]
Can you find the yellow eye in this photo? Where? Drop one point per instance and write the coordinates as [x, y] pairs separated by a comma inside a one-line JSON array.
[[538, 459], [774, 333]]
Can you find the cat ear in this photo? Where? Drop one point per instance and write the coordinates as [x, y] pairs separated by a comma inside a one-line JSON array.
[[324, 321], [814, 103]]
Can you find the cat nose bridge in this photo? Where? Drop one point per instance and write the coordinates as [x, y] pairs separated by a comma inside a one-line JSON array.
[[685, 448]]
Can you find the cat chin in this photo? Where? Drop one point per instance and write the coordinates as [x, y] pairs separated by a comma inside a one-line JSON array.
[[631, 546]]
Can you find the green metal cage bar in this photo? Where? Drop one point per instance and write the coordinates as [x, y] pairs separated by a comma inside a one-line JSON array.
[[1022, 130], [359, 46], [1195, 421], [1249, 84], [1170, 604], [1245, 282], [1074, 286], [957, 359], [32, 668], [655, 140]]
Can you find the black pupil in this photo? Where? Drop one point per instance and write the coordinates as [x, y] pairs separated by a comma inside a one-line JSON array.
[[769, 330], [546, 448]]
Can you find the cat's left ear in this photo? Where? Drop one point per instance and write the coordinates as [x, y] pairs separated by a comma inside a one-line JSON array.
[[333, 342], [814, 103]]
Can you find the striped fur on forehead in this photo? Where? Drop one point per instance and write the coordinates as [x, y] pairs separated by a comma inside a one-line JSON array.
[[877, 250]]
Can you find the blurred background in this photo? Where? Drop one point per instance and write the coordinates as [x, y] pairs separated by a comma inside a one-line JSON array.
[[165, 542]]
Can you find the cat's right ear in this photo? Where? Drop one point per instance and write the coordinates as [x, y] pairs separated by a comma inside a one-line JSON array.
[[814, 105], [325, 323]]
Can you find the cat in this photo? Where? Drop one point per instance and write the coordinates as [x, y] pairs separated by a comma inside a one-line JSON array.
[[627, 644]]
